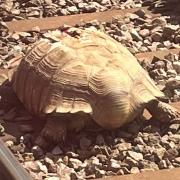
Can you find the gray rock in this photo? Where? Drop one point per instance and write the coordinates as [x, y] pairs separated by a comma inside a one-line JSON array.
[[52, 167], [37, 151], [120, 172], [177, 160], [104, 2], [116, 154], [171, 154], [89, 8], [156, 29], [15, 36], [49, 2], [135, 35], [177, 39], [145, 164], [171, 57], [81, 174], [156, 37], [159, 152], [136, 156], [171, 73], [134, 170], [102, 158], [169, 30], [15, 12], [77, 1], [110, 173], [176, 165], [31, 166], [9, 143], [28, 156], [131, 162], [153, 47], [162, 164], [139, 140], [82, 5], [169, 65], [172, 83], [150, 157], [174, 128], [73, 9], [99, 173], [125, 170], [144, 33], [64, 172], [176, 66], [64, 12], [154, 138], [175, 138], [92, 167], [141, 13], [167, 44], [132, 16], [75, 163], [139, 148], [159, 65], [124, 146], [72, 154], [95, 161], [62, 3], [42, 167], [172, 145], [159, 21], [114, 165]]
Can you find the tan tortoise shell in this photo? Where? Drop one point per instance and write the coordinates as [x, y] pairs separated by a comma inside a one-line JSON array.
[[92, 73]]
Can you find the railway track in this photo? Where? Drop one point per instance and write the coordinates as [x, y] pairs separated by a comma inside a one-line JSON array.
[[52, 23]]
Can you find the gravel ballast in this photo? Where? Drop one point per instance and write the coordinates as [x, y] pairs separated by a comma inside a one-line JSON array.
[[22, 9], [143, 145]]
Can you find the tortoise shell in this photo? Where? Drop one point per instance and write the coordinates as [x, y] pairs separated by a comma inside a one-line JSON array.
[[92, 73]]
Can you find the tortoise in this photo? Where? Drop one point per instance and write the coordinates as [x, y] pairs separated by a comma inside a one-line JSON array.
[[92, 74]]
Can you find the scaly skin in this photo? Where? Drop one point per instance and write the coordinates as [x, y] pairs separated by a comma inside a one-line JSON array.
[[163, 111], [53, 132]]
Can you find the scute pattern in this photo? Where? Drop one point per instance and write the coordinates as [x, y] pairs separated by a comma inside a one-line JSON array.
[[91, 73]]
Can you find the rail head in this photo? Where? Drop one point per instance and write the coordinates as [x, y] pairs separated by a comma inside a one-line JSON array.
[[10, 168]]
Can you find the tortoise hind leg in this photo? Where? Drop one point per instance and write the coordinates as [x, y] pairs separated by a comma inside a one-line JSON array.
[[163, 111], [53, 132]]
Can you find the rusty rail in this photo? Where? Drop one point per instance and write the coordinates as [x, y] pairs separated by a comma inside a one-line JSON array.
[[50, 23], [160, 54], [10, 168], [168, 174]]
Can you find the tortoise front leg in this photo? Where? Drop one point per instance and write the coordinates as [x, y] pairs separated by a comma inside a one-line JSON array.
[[53, 132], [163, 111]]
